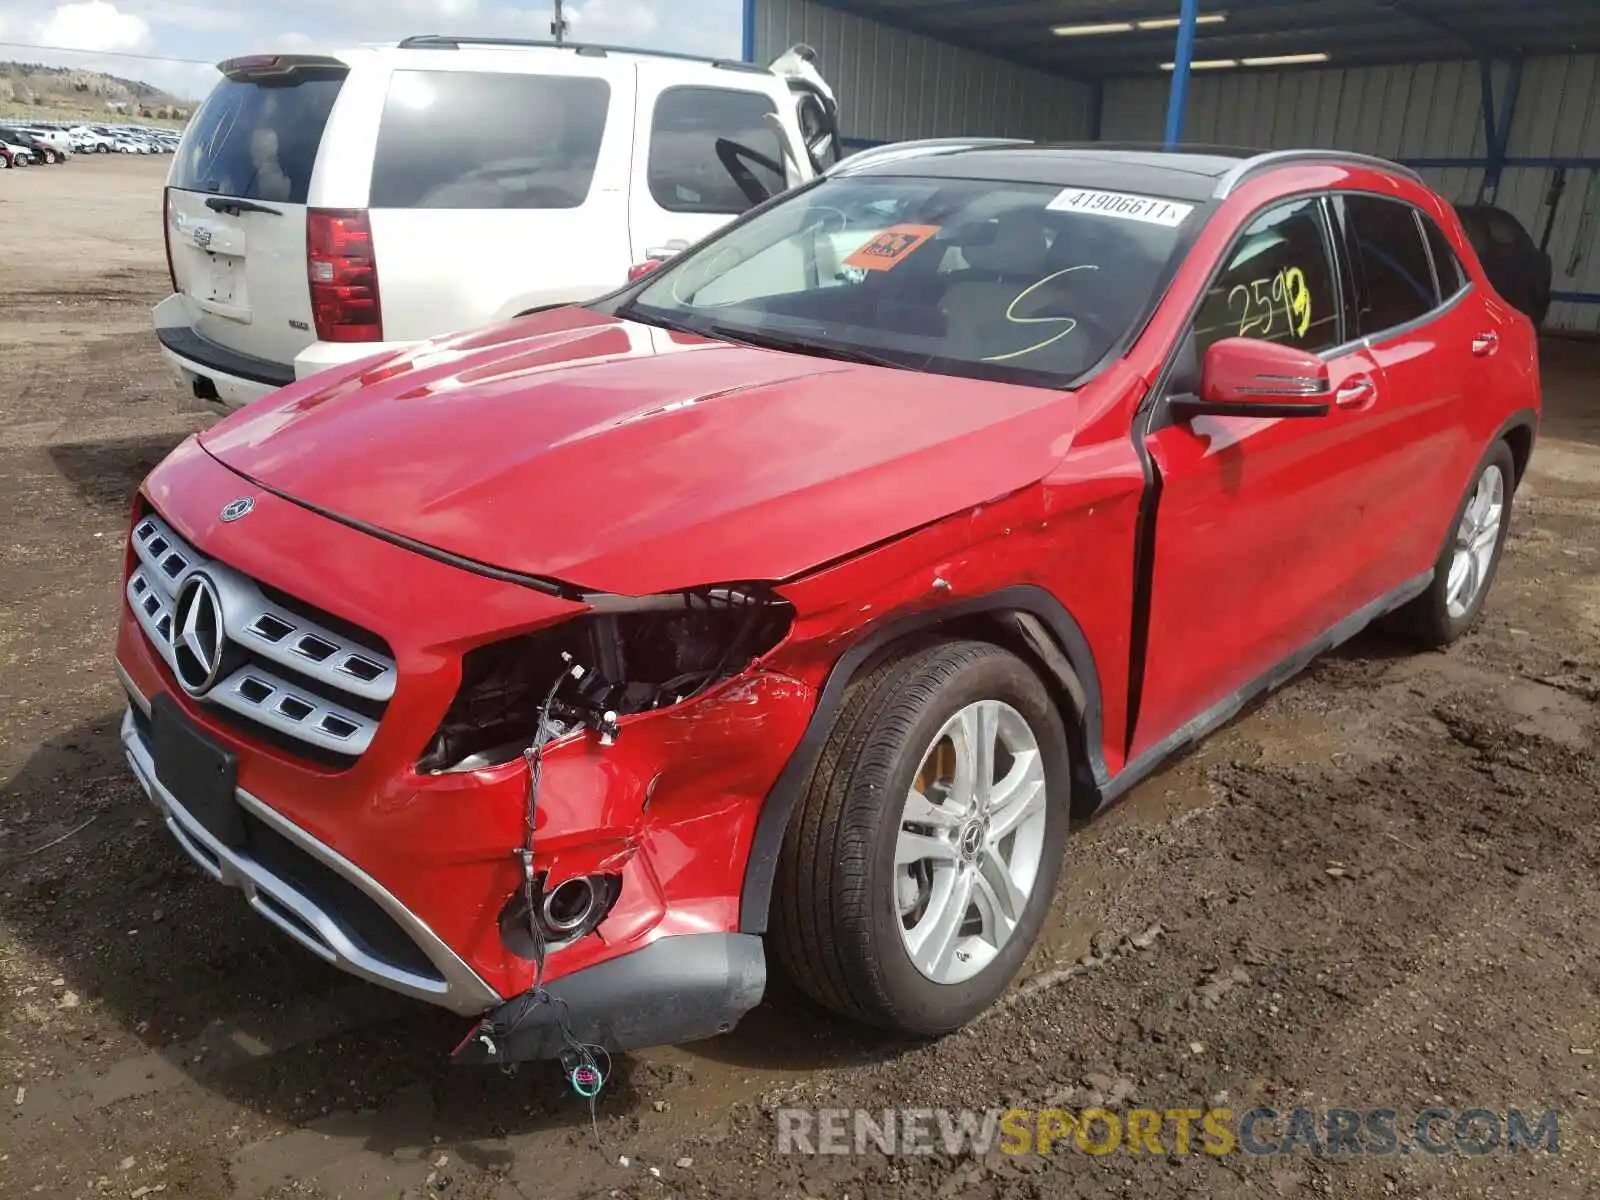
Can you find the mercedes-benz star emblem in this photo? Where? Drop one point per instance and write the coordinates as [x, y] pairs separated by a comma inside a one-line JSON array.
[[233, 510], [197, 638]]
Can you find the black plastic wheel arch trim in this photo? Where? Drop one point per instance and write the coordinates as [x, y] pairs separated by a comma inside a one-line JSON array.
[[765, 846], [1523, 418]]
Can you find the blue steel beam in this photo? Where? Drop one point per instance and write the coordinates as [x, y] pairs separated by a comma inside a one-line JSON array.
[[1178, 98], [1497, 129]]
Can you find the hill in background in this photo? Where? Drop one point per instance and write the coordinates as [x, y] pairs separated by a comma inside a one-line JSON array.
[[57, 93]]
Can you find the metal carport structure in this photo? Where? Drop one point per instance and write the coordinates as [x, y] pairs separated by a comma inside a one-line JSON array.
[[1490, 100]]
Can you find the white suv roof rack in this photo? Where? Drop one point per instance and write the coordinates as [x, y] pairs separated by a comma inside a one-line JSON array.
[[446, 41]]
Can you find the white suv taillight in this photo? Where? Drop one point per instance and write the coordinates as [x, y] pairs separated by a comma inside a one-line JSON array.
[[343, 270]]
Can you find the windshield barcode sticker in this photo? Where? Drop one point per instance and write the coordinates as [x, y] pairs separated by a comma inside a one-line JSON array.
[[1149, 209]]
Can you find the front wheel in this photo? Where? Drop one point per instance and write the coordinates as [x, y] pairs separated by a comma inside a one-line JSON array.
[[922, 859], [1470, 558]]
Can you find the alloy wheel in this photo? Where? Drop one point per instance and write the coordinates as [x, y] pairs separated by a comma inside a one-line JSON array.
[[970, 842], [1477, 541]]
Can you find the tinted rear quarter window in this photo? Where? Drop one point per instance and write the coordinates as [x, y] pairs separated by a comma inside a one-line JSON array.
[[258, 139], [1452, 275], [1394, 279], [702, 139], [459, 139]]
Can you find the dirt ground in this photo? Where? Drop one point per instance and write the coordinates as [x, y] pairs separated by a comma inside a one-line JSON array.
[[1381, 887]]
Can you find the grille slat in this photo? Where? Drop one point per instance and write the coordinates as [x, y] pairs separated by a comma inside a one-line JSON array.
[[331, 689]]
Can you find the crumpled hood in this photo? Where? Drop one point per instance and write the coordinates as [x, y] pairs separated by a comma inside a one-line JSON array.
[[624, 458]]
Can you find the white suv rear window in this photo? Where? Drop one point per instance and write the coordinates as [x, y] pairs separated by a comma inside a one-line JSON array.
[[458, 139], [257, 139]]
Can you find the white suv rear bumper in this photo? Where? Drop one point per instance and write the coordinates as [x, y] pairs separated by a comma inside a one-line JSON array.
[[224, 380]]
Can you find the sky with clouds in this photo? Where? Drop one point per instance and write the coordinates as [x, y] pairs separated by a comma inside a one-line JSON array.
[[208, 30]]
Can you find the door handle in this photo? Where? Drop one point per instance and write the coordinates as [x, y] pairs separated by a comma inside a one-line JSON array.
[[1485, 344], [1358, 392]]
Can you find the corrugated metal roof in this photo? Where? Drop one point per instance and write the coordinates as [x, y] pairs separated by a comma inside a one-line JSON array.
[[1350, 32]]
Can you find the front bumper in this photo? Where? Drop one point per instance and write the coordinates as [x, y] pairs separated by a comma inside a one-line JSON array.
[[676, 989], [334, 918]]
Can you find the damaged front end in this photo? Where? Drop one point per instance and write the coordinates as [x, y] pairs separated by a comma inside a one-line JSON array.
[[628, 655], [649, 734]]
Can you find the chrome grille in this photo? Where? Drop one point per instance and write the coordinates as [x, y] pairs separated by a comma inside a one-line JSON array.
[[323, 679]]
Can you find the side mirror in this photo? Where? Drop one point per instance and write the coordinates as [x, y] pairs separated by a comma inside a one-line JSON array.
[[640, 269], [1245, 377]]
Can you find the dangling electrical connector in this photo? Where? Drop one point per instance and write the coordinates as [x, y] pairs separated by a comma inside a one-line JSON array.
[[586, 1080]]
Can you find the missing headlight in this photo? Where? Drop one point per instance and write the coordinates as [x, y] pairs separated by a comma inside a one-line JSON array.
[[636, 654]]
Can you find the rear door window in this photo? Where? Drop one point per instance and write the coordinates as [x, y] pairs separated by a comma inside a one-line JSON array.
[[714, 150], [459, 139], [257, 139], [1393, 275], [1279, 284]]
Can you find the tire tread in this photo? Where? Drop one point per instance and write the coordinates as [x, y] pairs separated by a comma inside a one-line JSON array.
[[823, 907]]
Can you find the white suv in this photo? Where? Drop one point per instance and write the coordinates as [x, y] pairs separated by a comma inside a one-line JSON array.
[[325, 208]]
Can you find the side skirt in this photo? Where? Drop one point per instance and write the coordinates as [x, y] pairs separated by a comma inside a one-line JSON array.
[[1229, 706]]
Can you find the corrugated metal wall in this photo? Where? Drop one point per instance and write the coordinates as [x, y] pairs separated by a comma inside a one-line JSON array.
[[1558, 116], [1425, 111], [894, 85]]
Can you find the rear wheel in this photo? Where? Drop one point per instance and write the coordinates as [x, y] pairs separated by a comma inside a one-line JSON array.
[[922, 859], [1466, 566]]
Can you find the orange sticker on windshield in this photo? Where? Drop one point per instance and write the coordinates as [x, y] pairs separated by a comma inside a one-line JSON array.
[[891, 247]]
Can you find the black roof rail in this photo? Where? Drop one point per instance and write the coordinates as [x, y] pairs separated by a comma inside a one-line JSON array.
[[443, 41], [1283, 158]]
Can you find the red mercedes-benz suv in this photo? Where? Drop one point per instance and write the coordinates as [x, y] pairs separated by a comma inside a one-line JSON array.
[[794, 597]]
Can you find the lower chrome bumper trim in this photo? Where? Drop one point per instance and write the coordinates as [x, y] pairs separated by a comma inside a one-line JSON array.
[[458, 988]]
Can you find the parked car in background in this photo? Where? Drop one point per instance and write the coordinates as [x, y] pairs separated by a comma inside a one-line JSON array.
[[328, 207], [41, 150], [57, 139], [1518, 268], [14, 156], [791, 602], [90, 141]]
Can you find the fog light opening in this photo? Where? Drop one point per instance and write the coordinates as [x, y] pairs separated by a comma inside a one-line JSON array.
[[568, 906], [569, 910]]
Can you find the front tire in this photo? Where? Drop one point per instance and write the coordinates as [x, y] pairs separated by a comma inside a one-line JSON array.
[[922, 859], [1470, 558]]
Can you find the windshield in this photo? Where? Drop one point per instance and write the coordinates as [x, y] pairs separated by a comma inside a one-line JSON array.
[[1028, 283]]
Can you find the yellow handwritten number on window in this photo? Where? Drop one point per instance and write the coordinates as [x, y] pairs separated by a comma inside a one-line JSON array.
[[1297, 299], [1261, 299]]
